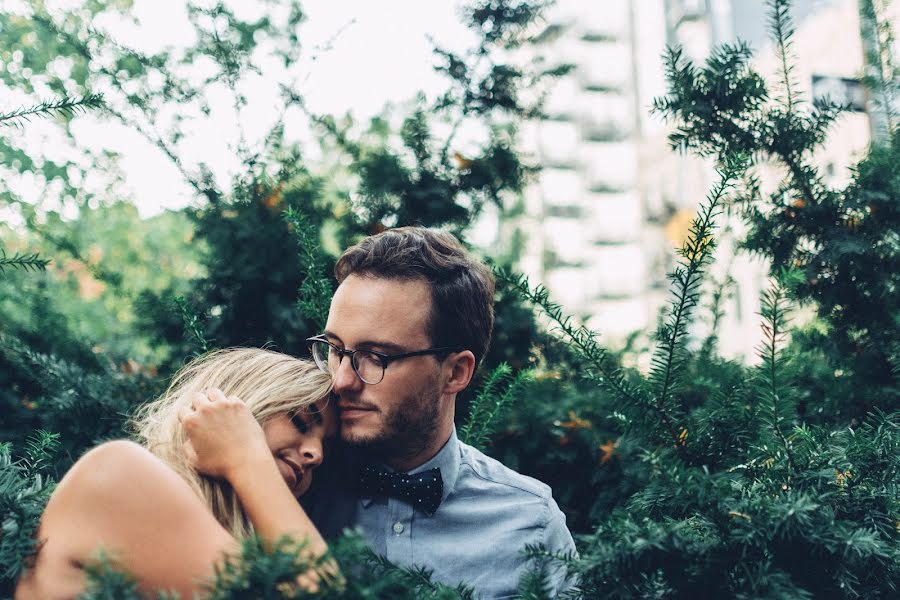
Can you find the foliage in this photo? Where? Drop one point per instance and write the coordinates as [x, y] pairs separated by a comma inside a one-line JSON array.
[[701, 477], [844, 242]]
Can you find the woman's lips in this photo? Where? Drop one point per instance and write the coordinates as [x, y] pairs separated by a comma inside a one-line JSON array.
[[296, 475]]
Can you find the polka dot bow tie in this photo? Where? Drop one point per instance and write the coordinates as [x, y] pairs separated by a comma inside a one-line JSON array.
[[421, 490]]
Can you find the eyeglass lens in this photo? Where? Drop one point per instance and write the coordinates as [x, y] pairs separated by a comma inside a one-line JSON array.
[[368, 366]]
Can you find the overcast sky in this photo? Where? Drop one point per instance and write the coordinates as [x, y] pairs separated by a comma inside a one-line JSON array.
[[750, 18]]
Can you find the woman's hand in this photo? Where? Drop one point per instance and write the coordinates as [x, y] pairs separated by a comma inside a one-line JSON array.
[[223, 436], [224, 440]]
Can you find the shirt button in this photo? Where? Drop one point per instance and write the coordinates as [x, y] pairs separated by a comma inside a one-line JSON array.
[[398, 528]]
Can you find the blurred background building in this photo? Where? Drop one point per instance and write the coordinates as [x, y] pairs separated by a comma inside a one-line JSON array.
[[614, 201]]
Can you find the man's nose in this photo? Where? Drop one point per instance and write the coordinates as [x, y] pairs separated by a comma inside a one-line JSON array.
[[345, 378]]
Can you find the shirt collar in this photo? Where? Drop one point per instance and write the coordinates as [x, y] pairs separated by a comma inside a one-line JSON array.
[[447, 459]]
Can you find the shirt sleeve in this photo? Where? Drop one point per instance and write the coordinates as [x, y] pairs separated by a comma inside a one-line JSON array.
[[558, 540]]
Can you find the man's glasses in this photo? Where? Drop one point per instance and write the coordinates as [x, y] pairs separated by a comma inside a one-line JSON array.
[[368, 365]]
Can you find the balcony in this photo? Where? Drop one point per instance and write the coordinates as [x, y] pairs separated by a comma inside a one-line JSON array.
[[567, 239], [615, 271], [562, 101], [607, 20], [615, 218], [618, 318], [561, 187], [603, 66], [558, 143], [609, 166], [605, 116]]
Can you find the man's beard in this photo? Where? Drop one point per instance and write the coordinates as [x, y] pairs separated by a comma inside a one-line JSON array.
[[406, 431]]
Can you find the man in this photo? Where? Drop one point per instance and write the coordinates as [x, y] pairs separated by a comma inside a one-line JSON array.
[[410, 321]]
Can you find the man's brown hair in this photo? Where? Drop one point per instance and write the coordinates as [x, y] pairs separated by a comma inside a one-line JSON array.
[[462, 287]]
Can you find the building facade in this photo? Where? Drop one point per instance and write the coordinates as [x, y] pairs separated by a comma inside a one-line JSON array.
[[614, 201]]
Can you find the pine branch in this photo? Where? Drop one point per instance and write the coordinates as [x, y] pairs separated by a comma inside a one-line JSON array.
[[478, 407], [191, 321], [490, 404], [534, 585], [40, 449], [781, 26], [719, 295], [314, 296], [62, 106], [669, 359], [26, 262], [23, 495], [775, 393], [596, 362], [415, 580]]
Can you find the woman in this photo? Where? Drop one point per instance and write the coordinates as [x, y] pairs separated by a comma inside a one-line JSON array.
[[151, 511]]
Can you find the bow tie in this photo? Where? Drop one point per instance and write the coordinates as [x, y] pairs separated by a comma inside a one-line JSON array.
[[421, 490]]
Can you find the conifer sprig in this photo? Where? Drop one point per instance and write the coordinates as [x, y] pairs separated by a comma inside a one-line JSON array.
[[492, 402], [781, 26], [721, 292], [40, 449], [26, 262], [669, 358], [314, 296], [193, 328], [61, 106], [776, 406], [597, 365]]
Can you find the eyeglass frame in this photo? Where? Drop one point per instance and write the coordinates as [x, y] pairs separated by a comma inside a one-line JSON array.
[[386, 359]]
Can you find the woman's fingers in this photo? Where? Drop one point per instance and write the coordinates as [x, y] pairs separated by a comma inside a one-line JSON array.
[[198, 400], [184, 413], [222, 431], [216, 395], [204, 400]]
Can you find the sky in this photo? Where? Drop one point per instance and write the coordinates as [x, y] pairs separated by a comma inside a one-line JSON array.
[[749, 17], [367, 54]]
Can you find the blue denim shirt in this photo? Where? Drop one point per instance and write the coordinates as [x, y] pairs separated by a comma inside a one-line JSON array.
[[488, 514]]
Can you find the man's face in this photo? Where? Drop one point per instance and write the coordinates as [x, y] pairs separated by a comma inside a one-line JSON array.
[[398, 416]]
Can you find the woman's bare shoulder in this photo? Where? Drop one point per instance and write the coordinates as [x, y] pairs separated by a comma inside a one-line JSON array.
[[118, 478], [115, 459], [122, 498]]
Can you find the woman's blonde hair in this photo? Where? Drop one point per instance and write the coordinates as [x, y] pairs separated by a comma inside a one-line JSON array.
[[269, 382]]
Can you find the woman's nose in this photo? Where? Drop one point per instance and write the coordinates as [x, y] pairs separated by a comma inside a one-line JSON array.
[[311, 453]]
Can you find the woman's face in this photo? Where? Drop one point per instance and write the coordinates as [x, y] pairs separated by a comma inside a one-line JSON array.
[[297, 443]]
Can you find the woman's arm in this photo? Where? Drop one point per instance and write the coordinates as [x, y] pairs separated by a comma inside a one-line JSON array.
[[226, 441]]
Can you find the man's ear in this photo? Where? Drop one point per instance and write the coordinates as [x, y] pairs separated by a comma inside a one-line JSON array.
[[460, 367]]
